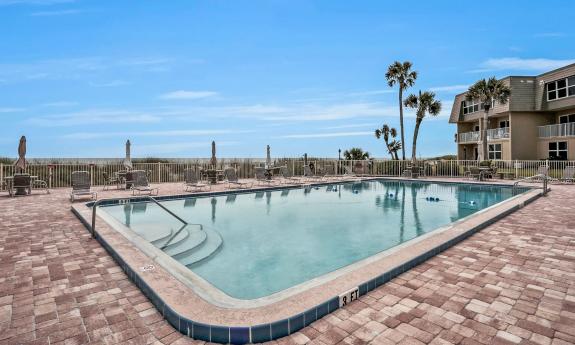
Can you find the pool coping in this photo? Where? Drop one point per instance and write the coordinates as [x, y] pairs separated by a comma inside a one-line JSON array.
[[194, 316]]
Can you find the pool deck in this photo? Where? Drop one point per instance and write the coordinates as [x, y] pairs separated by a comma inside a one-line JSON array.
[[513, 282]]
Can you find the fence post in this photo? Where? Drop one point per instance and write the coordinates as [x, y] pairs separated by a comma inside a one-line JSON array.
[[159, 172], [1, 175], [92, 174], [49, 176], [516, 169]]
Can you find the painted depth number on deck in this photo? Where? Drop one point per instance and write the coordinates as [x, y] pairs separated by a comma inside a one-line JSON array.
[[348, 296]]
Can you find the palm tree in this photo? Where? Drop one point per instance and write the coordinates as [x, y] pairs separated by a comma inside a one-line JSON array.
[[355, 153], [487, 92], [385, 132], [402, 75], [394, 146], [423, 104]]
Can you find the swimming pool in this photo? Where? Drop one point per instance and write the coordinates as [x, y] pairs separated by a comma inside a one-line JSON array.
[[252, 245]]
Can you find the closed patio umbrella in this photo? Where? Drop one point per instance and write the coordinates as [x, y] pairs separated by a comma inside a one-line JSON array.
[[268, 157], [128, 159], [213, 160], [21, 162]]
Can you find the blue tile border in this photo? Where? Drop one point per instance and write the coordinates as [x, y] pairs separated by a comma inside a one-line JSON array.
[[281, 328]]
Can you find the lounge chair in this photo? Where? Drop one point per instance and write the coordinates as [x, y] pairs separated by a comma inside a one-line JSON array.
[[40, 184], [21, 181], [233, 181], [568, 176], [329, 172], [111, 181], [348, 172], [81, 185], [262, 177], [288, 178], [192, 183], [140, 183], [309, 175]]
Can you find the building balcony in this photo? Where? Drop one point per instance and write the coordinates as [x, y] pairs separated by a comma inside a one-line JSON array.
[[498, 133], [492, 134], [560, 130], [468, 137]]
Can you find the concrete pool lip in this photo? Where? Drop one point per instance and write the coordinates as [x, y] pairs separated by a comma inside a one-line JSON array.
[[188, 312]]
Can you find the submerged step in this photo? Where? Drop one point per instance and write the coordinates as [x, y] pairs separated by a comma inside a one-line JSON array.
[[195, 238], [152, 232], [213, 242]]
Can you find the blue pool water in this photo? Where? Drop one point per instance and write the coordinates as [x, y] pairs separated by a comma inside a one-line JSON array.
[[251, 245]]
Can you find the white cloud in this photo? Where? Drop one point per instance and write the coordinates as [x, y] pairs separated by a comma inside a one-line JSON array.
[[166, 133], [11, 110], [34, 2], [113, 83], [60, 104], [55, 13], [549, 34], [170, 148], [183, 94], [514, 63], [326, 135], [354, 125], [450, 89], [92, 117]]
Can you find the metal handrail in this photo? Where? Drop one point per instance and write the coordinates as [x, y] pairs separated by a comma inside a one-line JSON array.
[[544, 177], [98, 202]]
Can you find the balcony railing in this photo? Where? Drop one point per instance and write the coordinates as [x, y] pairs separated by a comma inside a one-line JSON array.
[[560, 130], [468, 137], [498, 133]]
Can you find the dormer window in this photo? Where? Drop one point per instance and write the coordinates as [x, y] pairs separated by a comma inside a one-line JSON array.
[[561, 88], [469, 107]]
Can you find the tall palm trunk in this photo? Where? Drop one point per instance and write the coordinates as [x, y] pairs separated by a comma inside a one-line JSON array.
[[415, 133], [388, 148], [484, 153], [401, 122]]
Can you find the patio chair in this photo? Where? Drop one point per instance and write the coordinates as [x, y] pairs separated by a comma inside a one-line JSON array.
[[40, 184], [287, 177], [490, 173], [191, 181], [81, 185], [309, 175], [474, 173], [262, 177], [111, 181], [329, 172], [233, 181], [568, 176], [141, 185], [21, 181]]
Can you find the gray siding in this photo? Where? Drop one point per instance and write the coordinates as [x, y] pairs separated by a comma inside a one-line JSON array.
[[541, 97], [522, 94]]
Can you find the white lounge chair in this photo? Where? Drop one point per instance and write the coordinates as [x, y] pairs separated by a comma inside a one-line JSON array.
[[233, 181], [81, 185], [288, 178], [568, 175], [309, 175], [192, 183], [141, 185]]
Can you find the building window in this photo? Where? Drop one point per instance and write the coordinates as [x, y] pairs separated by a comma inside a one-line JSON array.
[[504, 124], [494, 151], [469, 107], [561, 88], [558, 150], [567, 118]]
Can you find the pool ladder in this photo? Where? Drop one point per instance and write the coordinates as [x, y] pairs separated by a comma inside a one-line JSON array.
[[543, 177]]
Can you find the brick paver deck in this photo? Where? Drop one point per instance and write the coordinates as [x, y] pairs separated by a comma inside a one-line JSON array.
[[512, 283]]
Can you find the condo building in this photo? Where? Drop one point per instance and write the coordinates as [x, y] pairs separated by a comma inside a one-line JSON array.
[[537, 122]]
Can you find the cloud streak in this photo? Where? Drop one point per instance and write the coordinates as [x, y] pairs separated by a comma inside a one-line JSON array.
[[188, 95], [325, 135], [514, 63], [165, 133]]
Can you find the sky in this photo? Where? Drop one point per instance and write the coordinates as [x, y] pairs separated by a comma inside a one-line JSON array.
[[80, 77]]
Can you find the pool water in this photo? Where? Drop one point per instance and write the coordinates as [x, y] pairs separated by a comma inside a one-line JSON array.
[[251, 245]]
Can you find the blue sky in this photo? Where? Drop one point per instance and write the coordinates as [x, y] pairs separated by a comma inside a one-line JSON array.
[[80, 77]]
